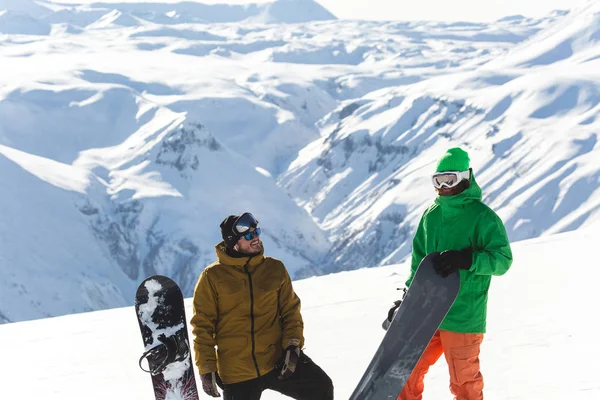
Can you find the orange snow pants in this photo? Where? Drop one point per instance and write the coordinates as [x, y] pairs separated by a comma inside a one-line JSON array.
[[462, 354]]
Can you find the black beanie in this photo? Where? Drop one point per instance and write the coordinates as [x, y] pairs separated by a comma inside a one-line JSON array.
[[227, 233]]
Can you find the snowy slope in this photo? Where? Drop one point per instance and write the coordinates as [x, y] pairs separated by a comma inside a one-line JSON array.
[[32, 260], [538, 331], [150, 122]]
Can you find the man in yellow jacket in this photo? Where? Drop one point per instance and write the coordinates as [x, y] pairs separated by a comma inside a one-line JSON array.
[[247, 326]]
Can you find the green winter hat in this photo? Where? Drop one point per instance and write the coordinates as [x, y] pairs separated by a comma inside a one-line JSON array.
[[455, 159]]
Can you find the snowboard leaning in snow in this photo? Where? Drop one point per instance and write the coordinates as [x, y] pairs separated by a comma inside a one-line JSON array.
[[423, 309], [161, 315]]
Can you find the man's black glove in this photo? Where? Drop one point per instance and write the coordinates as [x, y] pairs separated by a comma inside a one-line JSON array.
[[288, 363], [209, 384], [450, 261]]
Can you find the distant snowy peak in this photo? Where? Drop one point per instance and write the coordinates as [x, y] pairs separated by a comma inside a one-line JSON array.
[[115, 18], [292, 11], [19, 23]]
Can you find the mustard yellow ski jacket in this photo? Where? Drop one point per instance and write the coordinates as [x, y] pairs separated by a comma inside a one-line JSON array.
[[245, 313]]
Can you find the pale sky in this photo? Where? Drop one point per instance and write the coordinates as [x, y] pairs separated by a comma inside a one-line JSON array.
[[428, 10]]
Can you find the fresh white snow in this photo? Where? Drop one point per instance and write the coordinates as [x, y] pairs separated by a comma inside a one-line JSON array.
[[540, 343]]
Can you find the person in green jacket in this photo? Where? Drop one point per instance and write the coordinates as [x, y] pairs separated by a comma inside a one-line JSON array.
[[472, 242]]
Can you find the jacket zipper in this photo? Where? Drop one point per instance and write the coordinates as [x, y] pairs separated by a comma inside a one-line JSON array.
[[252, 317]]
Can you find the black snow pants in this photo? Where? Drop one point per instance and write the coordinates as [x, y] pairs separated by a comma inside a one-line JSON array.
[[309, 382]]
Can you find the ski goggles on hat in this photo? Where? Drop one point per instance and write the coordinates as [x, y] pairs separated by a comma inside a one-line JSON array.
[[251, 235], [449, 179], [244, 223]]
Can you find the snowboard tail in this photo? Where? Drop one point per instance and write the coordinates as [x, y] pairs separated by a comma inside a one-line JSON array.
[[426, 304], [161, 315]]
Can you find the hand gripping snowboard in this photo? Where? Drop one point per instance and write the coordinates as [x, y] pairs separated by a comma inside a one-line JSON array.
[[161, 315], [423, 309]]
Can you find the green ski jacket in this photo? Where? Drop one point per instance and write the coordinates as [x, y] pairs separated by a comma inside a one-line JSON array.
[[454, 223]]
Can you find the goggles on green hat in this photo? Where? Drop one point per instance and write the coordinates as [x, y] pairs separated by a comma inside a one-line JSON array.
[[449, 179]]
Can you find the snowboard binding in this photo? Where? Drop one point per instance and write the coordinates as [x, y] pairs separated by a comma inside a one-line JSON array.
[[171, 349]]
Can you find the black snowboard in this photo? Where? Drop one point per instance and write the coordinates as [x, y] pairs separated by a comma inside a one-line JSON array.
[[423, 309], [161, 315]]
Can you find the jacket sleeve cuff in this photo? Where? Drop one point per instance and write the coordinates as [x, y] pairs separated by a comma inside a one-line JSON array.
[[207, 368]]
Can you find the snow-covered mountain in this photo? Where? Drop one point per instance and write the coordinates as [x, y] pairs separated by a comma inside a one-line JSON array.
[[128, 131], [538, 329], [141, 201]]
